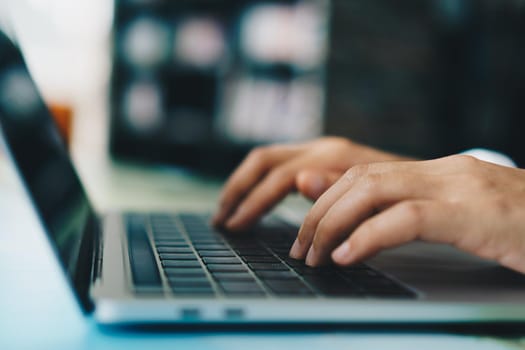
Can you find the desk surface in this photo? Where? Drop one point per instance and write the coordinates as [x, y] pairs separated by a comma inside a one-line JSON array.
[[37, 310]]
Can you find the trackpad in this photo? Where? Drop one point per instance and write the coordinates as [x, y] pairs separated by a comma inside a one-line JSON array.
[[442, 268]]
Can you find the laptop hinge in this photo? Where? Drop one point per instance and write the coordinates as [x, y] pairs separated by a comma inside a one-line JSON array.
[[87, 262], [98, 245]]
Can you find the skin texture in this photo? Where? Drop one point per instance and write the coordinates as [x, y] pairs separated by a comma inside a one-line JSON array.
[[382, 201], [268, 174]]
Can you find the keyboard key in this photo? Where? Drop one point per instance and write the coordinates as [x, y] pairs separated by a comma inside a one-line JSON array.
[[226, 268], [213, 244], [170, 242], [193, 291], [216, 253], [363, 274], [233, 276], [376, 282], [276, 275], [356, 267], [244, 243], [181, 263], [144, 268], [283, 254], [281, 287], [307, 270], [280, 248], [168, 234], [175, 249], [180, 279], [189, 282], [198, 230], [184, 272], [252, 251], [276, 240], [268, 266], [221, 260], [210, 246], [332, 285], [177, 256], [260, 259], [251, 288], [294, 262]]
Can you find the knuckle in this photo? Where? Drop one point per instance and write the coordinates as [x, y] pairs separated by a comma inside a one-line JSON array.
[[465, 161], [356, 172], [258, 154], [415, 212], [370, 184]]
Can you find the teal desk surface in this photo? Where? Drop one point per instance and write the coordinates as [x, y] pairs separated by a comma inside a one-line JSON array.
[[38, 311]]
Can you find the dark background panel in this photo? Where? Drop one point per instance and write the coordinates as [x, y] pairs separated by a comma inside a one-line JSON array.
[[428, 78]]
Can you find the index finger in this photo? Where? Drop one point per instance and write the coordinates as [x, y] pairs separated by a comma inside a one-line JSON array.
[[360, 202], [248, 175], [342, 186]]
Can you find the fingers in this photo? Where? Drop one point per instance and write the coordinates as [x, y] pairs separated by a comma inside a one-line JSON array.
[[313, 183], [304, 237], [406, 221], [342, 210], [273, 188], [248, 174]]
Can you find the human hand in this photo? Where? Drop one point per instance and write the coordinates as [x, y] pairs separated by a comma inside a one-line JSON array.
[[473, 205], [269, 173]]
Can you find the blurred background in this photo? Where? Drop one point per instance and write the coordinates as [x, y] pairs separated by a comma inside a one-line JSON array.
[[198, 83]]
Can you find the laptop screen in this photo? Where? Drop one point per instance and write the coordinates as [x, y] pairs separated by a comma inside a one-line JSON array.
[[46, 169]]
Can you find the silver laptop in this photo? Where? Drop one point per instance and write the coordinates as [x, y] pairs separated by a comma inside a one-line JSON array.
[[144, 268]]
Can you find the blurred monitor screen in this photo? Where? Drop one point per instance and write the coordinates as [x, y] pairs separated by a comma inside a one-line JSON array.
[[198, 83]]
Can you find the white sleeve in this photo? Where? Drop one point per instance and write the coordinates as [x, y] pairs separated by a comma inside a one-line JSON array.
[[490, 156]]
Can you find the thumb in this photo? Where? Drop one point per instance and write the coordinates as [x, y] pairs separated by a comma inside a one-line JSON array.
[[313, 183]]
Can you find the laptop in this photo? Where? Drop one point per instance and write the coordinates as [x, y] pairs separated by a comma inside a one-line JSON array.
[[173, 268]]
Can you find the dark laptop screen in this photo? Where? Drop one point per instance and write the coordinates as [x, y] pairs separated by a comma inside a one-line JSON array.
[[45, 168]]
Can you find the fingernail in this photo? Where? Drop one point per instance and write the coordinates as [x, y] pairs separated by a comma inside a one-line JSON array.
[[343, 254], [295, 251], [311, 257]]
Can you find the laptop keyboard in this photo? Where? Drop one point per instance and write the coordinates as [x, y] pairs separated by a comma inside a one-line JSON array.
[[181, 254]]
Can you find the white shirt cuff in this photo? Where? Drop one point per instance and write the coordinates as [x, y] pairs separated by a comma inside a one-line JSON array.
[[490, 156]]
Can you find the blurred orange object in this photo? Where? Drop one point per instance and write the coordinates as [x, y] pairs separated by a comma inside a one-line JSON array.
[[63, 116]]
